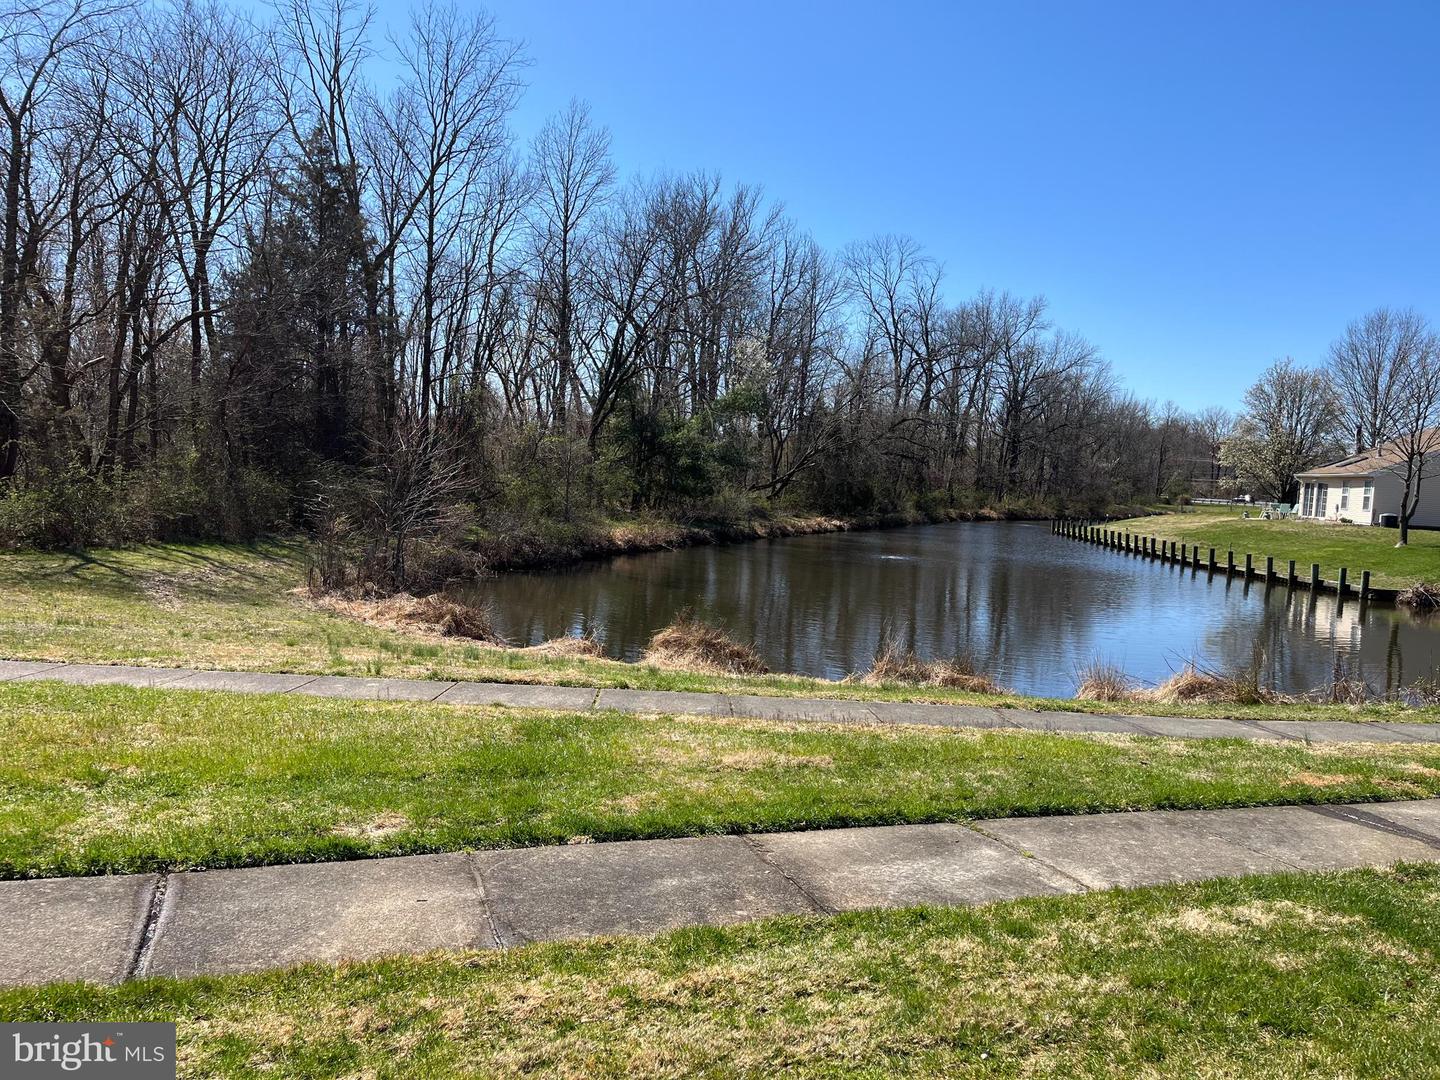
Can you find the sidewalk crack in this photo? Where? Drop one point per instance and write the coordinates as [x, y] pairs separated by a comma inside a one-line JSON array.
[[140, 959], [474, 861]]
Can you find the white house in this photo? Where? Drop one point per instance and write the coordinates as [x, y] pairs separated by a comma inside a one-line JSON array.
[[1366, 485]]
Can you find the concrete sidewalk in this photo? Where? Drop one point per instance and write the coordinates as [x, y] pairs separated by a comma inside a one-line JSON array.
[[108, 929], [832, 710]]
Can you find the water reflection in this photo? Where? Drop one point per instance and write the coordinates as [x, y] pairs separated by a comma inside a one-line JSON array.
[[1032, 606]]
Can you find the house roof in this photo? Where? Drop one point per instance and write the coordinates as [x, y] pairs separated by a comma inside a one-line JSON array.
[[1368, 462]]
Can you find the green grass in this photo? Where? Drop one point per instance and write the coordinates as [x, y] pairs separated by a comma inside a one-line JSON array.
[[1324, 975], [233, 607], [1355, 547], [109, 779]]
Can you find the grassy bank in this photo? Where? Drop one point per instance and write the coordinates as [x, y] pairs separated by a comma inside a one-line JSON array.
[[103, 779], [1357, 547], [1268, 977], [234, 607]]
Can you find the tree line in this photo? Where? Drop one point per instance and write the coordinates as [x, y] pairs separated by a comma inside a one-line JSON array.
[[245, 263]]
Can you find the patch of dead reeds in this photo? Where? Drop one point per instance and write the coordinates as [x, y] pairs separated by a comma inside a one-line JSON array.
[[581, 646], [1099, 681], [689, 644], [894, 664]]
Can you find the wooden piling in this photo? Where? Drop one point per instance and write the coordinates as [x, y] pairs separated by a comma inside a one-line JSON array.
[[1315, 580], [1364, 585], [1340, 586], [1269, 569], [1211, 566], [1290, 578], [1230, 563], [1249, 565], [1184, 552]]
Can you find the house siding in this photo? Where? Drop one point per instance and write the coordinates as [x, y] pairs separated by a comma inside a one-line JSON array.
[[1427, 514], [1386, 500], [1353, 508]]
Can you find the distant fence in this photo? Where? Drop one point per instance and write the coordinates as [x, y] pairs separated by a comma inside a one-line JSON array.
[[1197, 558]]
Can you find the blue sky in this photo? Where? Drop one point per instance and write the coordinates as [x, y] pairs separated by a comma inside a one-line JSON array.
[[1197, 188]]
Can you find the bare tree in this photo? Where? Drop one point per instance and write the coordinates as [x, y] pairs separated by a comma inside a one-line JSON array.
[[36, 41], [1289, 424], [1370, 364], [1213, 427], [459, 86], [1416, 416], [571, 161]]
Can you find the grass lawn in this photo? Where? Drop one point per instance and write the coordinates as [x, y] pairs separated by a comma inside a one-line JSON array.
[[108, 779], [231, 607], [1324, 975], [1357, 547]]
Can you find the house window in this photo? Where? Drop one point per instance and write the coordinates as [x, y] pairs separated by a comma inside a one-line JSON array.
[[1365, 497], [1309, 501], [1322, 492], [1345, 495]]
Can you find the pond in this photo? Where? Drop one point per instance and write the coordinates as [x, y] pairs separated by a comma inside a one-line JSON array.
[[1031, 607]]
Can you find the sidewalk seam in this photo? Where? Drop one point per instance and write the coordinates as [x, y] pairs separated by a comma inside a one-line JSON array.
[[753, 843], [149, 930], [975, 826], [1358, 816], [445, 688]]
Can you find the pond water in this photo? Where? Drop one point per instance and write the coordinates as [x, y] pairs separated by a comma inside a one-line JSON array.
[[1032, 607]]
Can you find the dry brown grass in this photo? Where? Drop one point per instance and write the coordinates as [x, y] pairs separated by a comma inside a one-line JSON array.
[[436, 615], [691, 645], [583, 646], [1100, 681], [1191, 684], [1194, 684], [896, 665]]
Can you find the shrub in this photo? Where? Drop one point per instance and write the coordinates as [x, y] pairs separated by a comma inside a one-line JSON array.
[[174, 497]]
